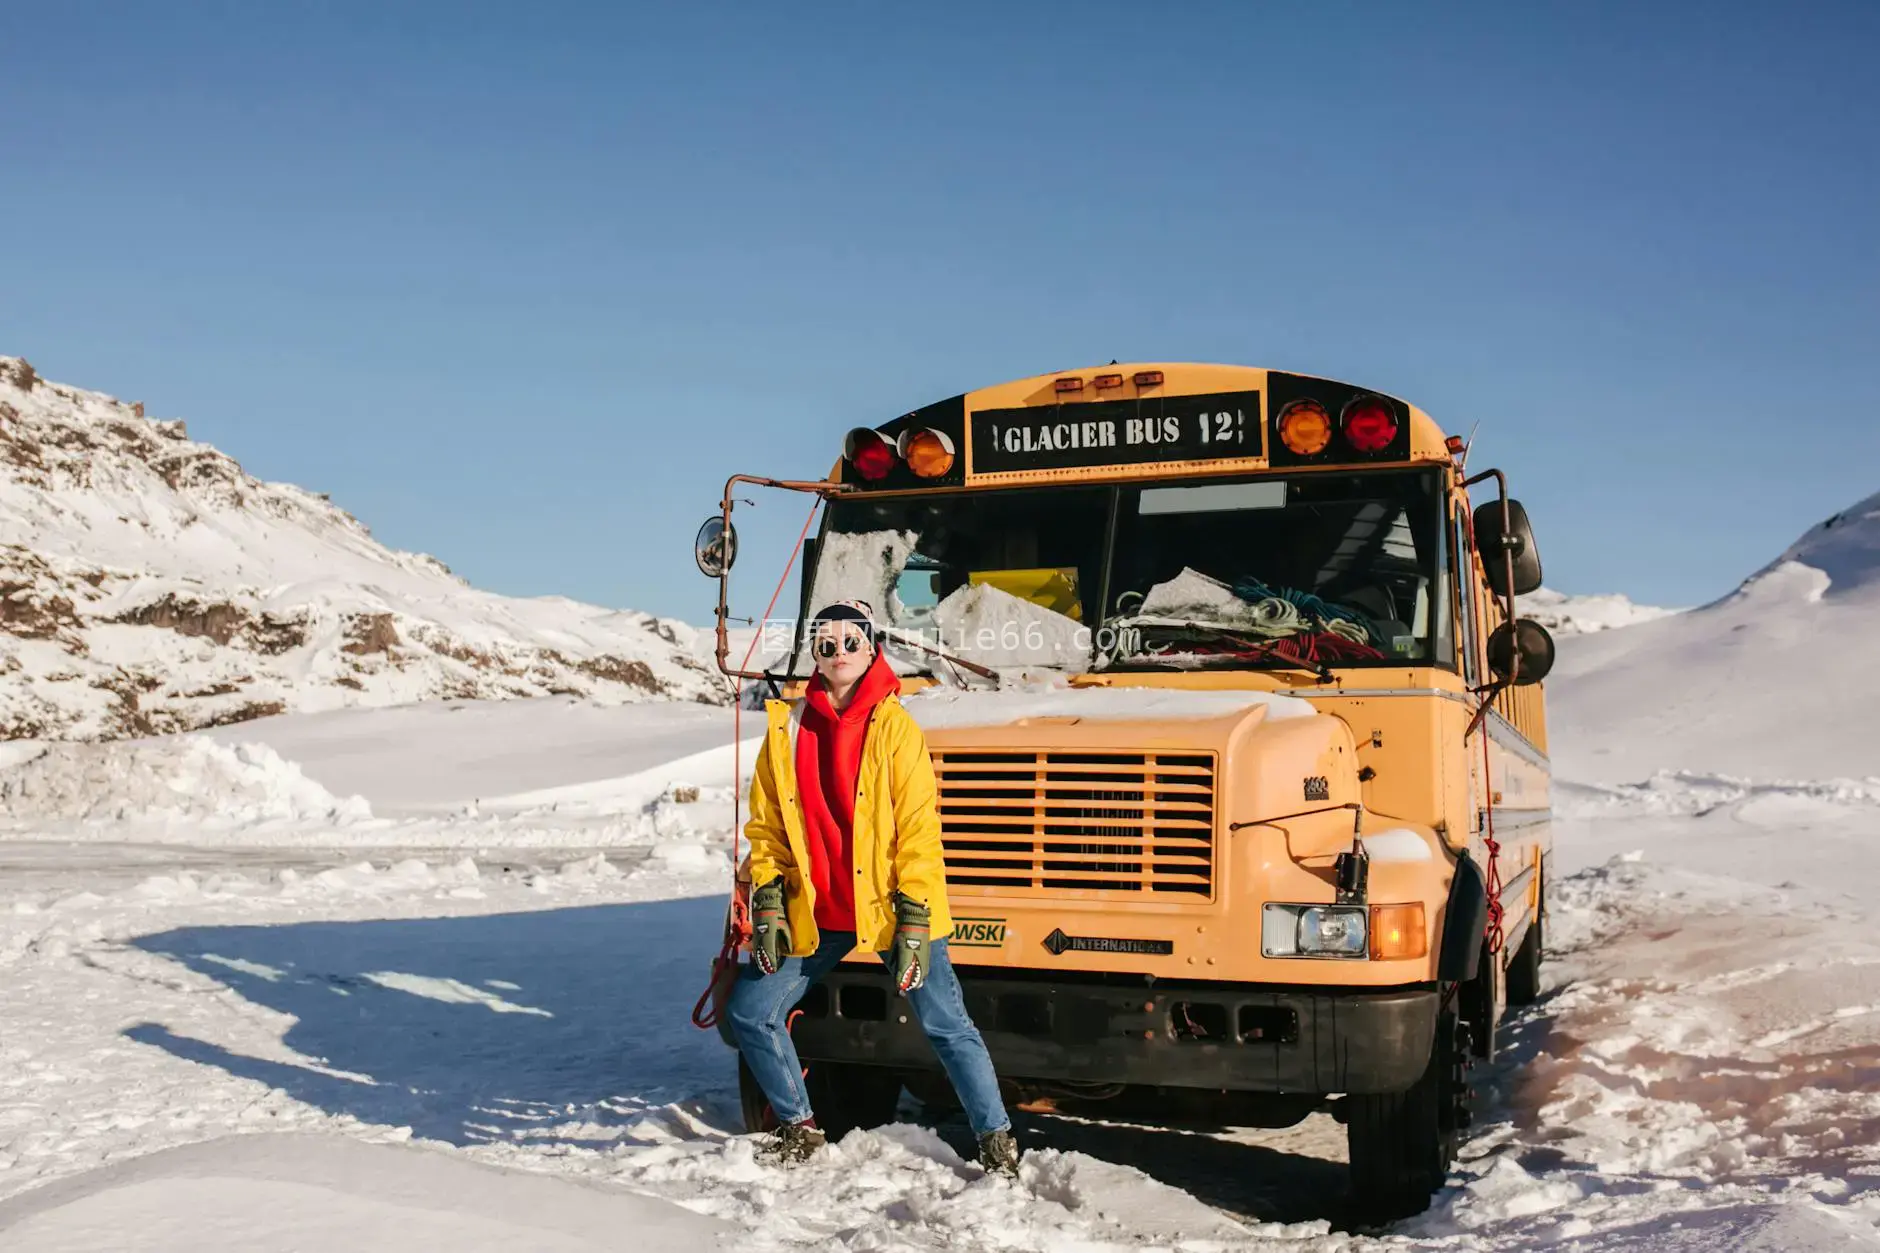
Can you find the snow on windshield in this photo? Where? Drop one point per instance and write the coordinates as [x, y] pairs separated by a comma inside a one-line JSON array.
[[993, 627], [978, 622], [863, 565]]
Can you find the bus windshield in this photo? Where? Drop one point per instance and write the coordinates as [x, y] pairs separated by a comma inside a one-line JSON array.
[[1316, 570], [1313, 570], [1003, 578]]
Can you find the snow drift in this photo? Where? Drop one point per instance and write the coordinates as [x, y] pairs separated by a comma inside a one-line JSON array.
[[185, 778], [266, 1192], [148, 584]]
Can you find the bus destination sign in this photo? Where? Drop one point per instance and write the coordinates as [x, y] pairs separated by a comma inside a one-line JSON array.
[[1118, 432]]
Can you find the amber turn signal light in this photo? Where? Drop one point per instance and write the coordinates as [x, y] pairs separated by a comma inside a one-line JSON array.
[[1397, 931], [1305, 428], [928, 453]]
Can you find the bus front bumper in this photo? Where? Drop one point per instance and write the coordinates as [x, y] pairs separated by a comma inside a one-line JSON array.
[[1221, 1036]]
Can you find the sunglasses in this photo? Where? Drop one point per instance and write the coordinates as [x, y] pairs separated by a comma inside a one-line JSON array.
[[826, 647]]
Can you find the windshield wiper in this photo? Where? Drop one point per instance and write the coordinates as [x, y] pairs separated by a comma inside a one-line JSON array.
[[915, 642], [1263, 648]]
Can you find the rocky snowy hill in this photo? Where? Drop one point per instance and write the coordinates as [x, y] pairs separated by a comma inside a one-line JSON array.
[[1774, 681], [1584, 615], [148, 584]]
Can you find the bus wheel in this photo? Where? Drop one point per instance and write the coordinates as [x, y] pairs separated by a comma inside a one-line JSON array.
[[1524, 970], [1401, 1143], [758, 1116], [847, 1096]]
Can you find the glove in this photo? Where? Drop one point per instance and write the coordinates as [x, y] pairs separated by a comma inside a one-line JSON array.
[[910, 955], [770, 929]]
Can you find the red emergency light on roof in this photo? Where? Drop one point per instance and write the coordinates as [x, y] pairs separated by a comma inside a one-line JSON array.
[[1149, 378], [1106, 381], [869, 452], [1368, 424], [1071, 383]]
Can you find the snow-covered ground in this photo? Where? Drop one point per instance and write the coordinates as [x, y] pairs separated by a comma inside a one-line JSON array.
[[1707, 1060], [431, 967], [283, 1193]]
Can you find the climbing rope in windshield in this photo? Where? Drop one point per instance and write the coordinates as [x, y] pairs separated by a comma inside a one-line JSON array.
[[1310, 606]]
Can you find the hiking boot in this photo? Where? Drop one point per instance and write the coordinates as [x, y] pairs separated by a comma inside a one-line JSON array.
[[998, 1153], [791, 1143]]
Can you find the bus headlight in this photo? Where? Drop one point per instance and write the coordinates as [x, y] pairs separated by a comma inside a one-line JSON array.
[[1314, 931]]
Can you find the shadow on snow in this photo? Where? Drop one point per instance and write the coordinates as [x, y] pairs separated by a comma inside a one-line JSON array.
[[561, 1026], [476, 1029]]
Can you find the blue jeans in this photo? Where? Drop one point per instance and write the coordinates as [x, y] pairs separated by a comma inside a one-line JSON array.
[[760, 1007]]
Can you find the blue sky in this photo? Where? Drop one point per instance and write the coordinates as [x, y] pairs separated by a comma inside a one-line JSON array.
[[521, 285]]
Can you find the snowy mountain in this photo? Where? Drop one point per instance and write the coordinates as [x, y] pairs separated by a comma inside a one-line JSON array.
[[1775, 681], [148, 585], [1582, 615]]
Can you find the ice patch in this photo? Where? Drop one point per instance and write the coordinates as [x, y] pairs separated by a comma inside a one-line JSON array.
[[450, 991], [243, 966]]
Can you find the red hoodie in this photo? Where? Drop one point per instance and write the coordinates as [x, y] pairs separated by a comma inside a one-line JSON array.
[[828, 759]]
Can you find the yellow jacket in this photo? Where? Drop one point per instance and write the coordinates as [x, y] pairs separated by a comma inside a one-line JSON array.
[[897, 827]]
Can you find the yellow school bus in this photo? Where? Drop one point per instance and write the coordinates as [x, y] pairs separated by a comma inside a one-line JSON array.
[[1241, 750]]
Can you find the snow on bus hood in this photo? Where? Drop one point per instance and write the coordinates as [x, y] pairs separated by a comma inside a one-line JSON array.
[[940, 708]]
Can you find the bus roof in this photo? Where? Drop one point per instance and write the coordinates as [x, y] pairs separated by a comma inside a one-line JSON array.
[[1131, 420]]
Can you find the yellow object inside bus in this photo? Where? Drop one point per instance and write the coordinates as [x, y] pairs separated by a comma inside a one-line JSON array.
[[1053, 587]]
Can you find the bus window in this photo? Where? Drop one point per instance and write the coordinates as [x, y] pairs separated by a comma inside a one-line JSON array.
[[994, 577], [1333, 569], [1466, 581], [1442, 597]]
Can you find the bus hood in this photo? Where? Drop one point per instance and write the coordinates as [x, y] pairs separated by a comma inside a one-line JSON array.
[[942, 709], [1133, 793]]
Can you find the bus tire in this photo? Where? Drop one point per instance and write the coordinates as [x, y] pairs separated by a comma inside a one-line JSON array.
[[1524, 970], [847, 1096], [1402, 1143]]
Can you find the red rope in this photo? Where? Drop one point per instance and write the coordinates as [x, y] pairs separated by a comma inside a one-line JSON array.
[[789, 1025], [1311, 647], [738, 919], [1494, 931]]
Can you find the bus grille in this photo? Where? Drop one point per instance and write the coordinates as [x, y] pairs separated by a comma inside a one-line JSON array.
[[1096, 821]]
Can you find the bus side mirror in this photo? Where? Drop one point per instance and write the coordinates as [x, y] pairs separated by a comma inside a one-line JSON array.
[[716, 547], [1528, 638], [1493, 543]]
